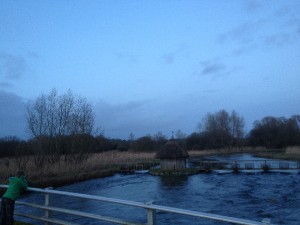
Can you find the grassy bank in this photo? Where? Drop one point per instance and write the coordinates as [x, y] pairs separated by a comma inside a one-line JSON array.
[[202, 153], [290, 153]]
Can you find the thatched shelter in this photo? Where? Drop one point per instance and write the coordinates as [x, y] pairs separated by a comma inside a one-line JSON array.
[[172, 156]]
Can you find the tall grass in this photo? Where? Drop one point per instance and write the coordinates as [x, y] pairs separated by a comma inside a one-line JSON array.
[[64, 169], [294, 150], [195, 153], [68, 168]]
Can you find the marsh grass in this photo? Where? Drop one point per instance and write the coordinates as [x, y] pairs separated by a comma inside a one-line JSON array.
[[294, 150], [199, 153], [66, 169], [290, 153]]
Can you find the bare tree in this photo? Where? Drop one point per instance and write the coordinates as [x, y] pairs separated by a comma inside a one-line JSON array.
[[82, 117], [180, 135], [66, 104], [237, 124], [56, 119], [37, 116], [55, 115], [225, 127], [233, 124], [159, 136], [131, 137], [217, 121]]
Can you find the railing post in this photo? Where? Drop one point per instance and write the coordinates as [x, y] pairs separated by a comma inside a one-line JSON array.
[[47, 203], [151, 215], [266, 221]]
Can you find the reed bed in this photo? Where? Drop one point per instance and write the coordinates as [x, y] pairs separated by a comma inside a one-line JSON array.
[[294, 150], [65, 169], [53, 171], [199, 153]]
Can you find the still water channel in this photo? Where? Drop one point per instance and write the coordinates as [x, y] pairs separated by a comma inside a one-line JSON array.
[[253, 196]]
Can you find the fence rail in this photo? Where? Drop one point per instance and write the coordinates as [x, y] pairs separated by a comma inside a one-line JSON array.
[[151, 210]]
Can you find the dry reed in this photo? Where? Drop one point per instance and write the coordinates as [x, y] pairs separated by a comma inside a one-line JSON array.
[[65, 170], [294, 150], [79, 168], [198, 153]]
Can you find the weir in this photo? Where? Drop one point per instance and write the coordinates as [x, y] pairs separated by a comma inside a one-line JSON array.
[[237, 165], [150, 208]]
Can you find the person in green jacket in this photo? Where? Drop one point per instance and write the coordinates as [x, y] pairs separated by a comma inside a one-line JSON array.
[[17, 185]]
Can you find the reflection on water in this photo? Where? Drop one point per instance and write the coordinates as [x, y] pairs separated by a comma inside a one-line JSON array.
[[251, 196], [172, 181], [233, 157]]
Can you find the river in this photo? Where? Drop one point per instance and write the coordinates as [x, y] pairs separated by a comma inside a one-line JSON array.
[[253, 196]]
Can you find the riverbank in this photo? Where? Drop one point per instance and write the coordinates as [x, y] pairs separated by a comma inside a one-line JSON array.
[[210, 152], [61, 172], [290, 153]]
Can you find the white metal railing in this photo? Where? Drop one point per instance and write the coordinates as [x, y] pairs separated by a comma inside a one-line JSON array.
[[151, 210]]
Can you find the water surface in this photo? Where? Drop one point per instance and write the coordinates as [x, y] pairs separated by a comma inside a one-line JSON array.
[[252, 196]]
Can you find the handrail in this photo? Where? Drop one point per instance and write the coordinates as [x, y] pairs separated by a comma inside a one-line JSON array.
[[151, 208]]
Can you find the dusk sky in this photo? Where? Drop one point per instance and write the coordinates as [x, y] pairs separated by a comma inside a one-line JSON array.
[[149, 66]]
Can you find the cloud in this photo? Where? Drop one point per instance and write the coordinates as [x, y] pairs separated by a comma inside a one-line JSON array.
[[244, 50], [252, 6], [33, 55], [12, 115], [12, 67], [182, 51], [126, 57], [278, 40], [139, 117], [289, 15], [277, 30], [215, 68], [242, 34], [294, 22], [212, 67], [109, 115], [5, 85], [109, 110], [169, 58]]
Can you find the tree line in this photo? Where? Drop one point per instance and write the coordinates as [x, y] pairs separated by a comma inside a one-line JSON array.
[[64, 125]]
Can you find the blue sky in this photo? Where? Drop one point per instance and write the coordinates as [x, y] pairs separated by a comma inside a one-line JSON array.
[[150, 66]]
